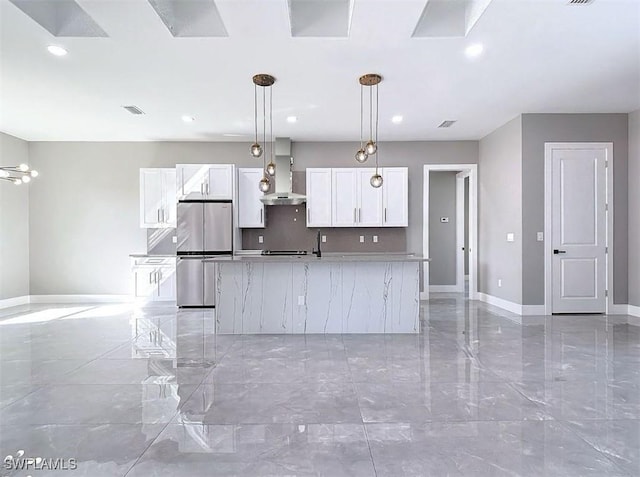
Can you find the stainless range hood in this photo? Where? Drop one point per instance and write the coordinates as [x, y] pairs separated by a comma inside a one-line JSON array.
[[284, 194]]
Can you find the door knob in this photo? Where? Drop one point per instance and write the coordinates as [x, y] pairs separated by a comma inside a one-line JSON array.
[[556, 251]]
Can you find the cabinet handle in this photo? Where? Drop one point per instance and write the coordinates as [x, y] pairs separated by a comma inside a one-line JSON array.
[[355, 217], [308, 214], [202, 188], [261, 212], [158, 215], [359, 214], [207, 188], [385, 215], [150, 278]]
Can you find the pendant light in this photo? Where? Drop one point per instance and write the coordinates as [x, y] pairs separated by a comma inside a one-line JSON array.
[[20, 174], [257, 150], [370, 81]]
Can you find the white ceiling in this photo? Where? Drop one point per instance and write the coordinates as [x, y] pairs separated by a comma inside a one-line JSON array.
[[539, 56]]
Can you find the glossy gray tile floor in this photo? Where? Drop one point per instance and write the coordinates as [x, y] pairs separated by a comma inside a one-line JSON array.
[[151, 392]]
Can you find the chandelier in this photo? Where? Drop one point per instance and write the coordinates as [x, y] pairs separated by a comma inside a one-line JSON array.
[[21, 174], [370, 81], [265, 81]]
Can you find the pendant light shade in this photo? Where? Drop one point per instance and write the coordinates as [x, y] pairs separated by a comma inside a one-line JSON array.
[[361, 156], [371, 148], [256, 150], [264, 184], [271, 169], [376, 180]]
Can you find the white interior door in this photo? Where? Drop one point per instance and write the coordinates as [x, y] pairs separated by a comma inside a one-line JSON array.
[[579, 232]]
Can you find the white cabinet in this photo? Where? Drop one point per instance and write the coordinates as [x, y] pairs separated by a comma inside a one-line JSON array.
[[206, 181], [369, 200], [250, 208], [395, 197], [154, 278], [157, 198], [344, 197], [319, 197]]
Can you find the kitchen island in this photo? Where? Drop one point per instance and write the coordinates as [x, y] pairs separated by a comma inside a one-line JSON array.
[[337, 293]]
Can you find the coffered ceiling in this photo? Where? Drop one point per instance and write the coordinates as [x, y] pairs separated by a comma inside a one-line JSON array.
[[172, 58]]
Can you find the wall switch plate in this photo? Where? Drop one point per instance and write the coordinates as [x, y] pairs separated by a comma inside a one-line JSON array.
[[375, 239], [444, 220], [300, 300], [540, 236], [260, 239], [499, 282], [511, 237], [174, 239], [324, 239], [362, 239]]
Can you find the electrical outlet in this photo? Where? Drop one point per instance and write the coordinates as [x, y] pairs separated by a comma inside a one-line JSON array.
[[300, 300], [174, 239], [444, 220], [324, 239], [362, 239], [375, 239], [540, 236], [511, 237], [499, 282], [260, 239]]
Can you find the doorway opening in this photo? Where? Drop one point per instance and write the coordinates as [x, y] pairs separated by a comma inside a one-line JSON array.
[[450, 231]]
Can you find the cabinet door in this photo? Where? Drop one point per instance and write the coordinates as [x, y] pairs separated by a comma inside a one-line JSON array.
[[191, 179], [151, 199], [144, 281], [395, 197], [219, 183], [319, 197], [169, 197], [166, 284], [369, 200], [250, 208], [344, 204]]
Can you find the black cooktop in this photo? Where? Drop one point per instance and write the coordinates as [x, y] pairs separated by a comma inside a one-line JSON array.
[[284, 252]]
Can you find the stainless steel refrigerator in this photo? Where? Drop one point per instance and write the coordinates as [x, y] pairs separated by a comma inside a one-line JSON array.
[[205, 229]]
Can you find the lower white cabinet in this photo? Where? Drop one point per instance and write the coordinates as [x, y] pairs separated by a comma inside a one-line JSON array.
[[154, 278], [250, 207]]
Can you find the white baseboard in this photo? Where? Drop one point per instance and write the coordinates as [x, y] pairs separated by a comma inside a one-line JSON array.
[[529, 310], [444, 289], [618, 309], [634, 315], [500, 303], [16, 301], [424, 295], [81, 298]]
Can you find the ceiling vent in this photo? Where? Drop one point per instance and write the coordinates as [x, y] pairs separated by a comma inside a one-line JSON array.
[[447, 124], [580, 2], [134, 109]]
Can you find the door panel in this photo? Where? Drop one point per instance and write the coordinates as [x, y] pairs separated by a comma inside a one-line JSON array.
[[579, 230], [319, 198], [152, 203], [170, 197], [191, 179], [189, 279], [220, 182], [369, 200], [395, 196], [218, 227], [190, 227], [250, 208], [344, 203]]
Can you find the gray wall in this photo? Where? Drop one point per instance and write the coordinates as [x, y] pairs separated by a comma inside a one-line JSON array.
[[84, 216], [634, 208], [500, 212], [14, 222], [442, 236], [538, 129]]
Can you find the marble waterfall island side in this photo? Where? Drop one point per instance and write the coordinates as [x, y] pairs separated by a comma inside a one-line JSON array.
[[332, 294]]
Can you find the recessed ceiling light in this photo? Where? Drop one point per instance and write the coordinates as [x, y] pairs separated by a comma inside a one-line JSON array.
[[396, 119], [292, 119], [474, 50], [56, 50], [188, 119]]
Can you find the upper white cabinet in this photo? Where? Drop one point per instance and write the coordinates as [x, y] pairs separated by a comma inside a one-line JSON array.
[[205, 181], [250, 208], [319, 197], [353, 202], [344, 203], [157, 198], [369, 200], [395, 194]]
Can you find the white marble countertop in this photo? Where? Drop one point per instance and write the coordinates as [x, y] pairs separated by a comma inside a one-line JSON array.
[[326, 257]]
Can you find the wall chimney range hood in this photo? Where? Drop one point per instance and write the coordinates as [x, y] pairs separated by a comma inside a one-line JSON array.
[[283, 194]]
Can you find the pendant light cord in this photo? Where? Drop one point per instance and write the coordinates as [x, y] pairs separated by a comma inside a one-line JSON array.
[[361, 114], [255, 108], [370, 113], [264, 125], [271, 122], [377, 146]]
